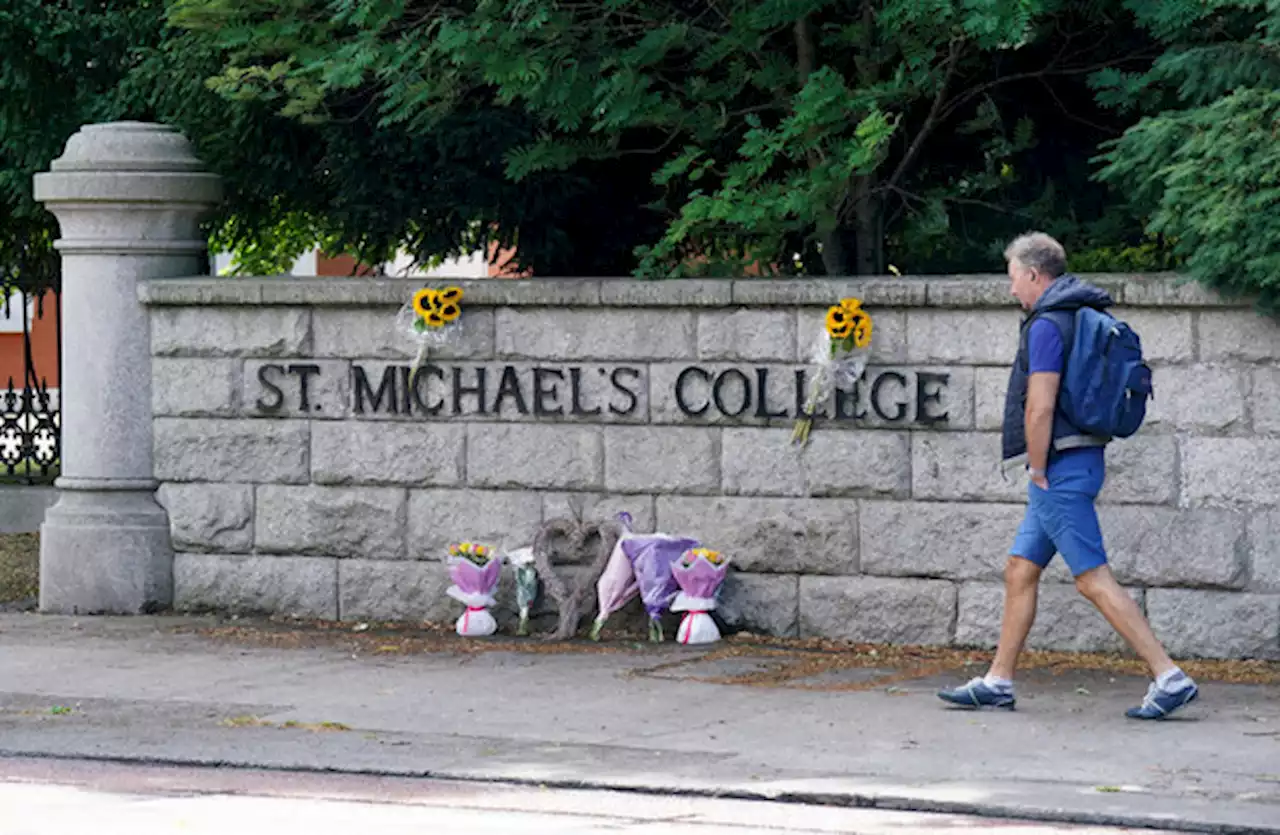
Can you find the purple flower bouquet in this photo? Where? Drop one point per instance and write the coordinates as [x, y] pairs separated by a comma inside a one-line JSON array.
[[699, 573], [652, 556], [474, 570]]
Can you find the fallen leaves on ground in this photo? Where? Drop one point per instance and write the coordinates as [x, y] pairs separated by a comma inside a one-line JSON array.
[[292, 724], [245, 722], [785, 662]]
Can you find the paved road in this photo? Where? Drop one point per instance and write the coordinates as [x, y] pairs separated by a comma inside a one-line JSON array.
[[649, 719], [42, 796]]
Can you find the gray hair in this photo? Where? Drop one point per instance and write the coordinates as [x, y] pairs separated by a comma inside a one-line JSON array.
[[1038, 251]]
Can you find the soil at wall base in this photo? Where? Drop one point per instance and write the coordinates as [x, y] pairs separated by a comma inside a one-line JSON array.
[[19, 568]]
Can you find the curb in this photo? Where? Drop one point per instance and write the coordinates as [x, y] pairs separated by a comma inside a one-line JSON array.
[[851, 800]]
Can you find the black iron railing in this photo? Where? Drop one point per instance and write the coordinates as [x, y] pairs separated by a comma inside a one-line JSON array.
[[30, 408]]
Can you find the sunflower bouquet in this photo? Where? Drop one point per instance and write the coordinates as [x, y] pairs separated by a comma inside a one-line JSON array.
[[474, 570], [431, 317], [839, 358]]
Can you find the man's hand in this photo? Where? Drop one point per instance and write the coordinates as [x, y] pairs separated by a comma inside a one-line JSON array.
[[1042, 397]]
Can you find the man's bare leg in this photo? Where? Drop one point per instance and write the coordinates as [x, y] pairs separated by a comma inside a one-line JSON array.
[[995, 689], [1102, 589], [1021, 592]]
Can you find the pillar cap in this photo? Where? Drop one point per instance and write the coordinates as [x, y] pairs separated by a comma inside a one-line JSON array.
[[128, 146], [128, 162]]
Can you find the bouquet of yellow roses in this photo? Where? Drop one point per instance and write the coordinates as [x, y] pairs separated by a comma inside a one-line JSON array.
[[431, 317], [839, 359]]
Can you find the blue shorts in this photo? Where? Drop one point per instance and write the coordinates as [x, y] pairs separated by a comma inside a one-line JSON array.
[[1062, 519]]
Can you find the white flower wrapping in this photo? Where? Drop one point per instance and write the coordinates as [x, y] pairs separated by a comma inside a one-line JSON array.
[[423, 339], [698, 627], [476, 620], [699, 580], [521, 561], [840, 369], [474, 587]]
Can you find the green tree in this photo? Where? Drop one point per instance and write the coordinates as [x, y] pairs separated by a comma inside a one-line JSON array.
[[1204, 163], [823, 128], [360, 187], [345, 183], [356, 187], [59, 62]]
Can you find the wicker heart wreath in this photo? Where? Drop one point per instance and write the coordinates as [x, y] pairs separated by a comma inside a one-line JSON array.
[[572, 537]]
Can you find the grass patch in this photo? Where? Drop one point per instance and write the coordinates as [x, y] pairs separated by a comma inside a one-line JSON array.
[[29, 472], [19, 566]]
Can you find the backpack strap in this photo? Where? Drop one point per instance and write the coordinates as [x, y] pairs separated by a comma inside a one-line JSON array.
[[1066, 323]]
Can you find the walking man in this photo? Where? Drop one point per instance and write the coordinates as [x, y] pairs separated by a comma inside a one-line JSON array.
[[1066, 469]]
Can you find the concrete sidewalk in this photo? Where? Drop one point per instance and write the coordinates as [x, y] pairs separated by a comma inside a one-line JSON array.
[[640, 718]]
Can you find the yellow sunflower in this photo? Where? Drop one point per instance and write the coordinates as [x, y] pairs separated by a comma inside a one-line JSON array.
[[451, 295], [837, 320], [862, 331], [424, 302], [839, 326], [434, 319], [450, 311], [852, 305]]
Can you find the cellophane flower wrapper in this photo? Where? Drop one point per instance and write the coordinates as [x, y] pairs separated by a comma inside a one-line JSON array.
[[835, 367], [700, 581], [652, 556], [617, 586], [474, 587], [424, 340], [839, 357], [526, 574]]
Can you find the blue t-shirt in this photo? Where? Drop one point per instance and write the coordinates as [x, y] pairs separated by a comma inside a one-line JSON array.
[[1044, 348], [1045, 352]]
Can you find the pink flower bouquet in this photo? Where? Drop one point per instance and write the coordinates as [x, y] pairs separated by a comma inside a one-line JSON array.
[[699, 573], [474, 570], [617, 586]]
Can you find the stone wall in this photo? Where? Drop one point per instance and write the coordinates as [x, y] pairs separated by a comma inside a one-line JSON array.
[[892, 526]]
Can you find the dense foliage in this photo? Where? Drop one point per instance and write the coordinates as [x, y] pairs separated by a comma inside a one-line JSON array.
[[809, 135], [1205, 162], [674, 137], [60, 61]]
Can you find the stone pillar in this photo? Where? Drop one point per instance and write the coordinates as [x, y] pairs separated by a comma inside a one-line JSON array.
[[128, 197]]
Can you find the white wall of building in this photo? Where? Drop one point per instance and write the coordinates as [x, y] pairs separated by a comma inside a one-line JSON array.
[[13, 313], [470, 266]]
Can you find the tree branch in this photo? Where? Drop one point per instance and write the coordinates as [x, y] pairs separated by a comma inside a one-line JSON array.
[[909, 158], [806, 53], [1048, 70]]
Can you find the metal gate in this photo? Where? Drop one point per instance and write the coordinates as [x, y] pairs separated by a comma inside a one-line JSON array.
[[30, 372]]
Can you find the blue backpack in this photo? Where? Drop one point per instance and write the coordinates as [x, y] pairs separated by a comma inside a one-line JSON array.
[[1107, 382]]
